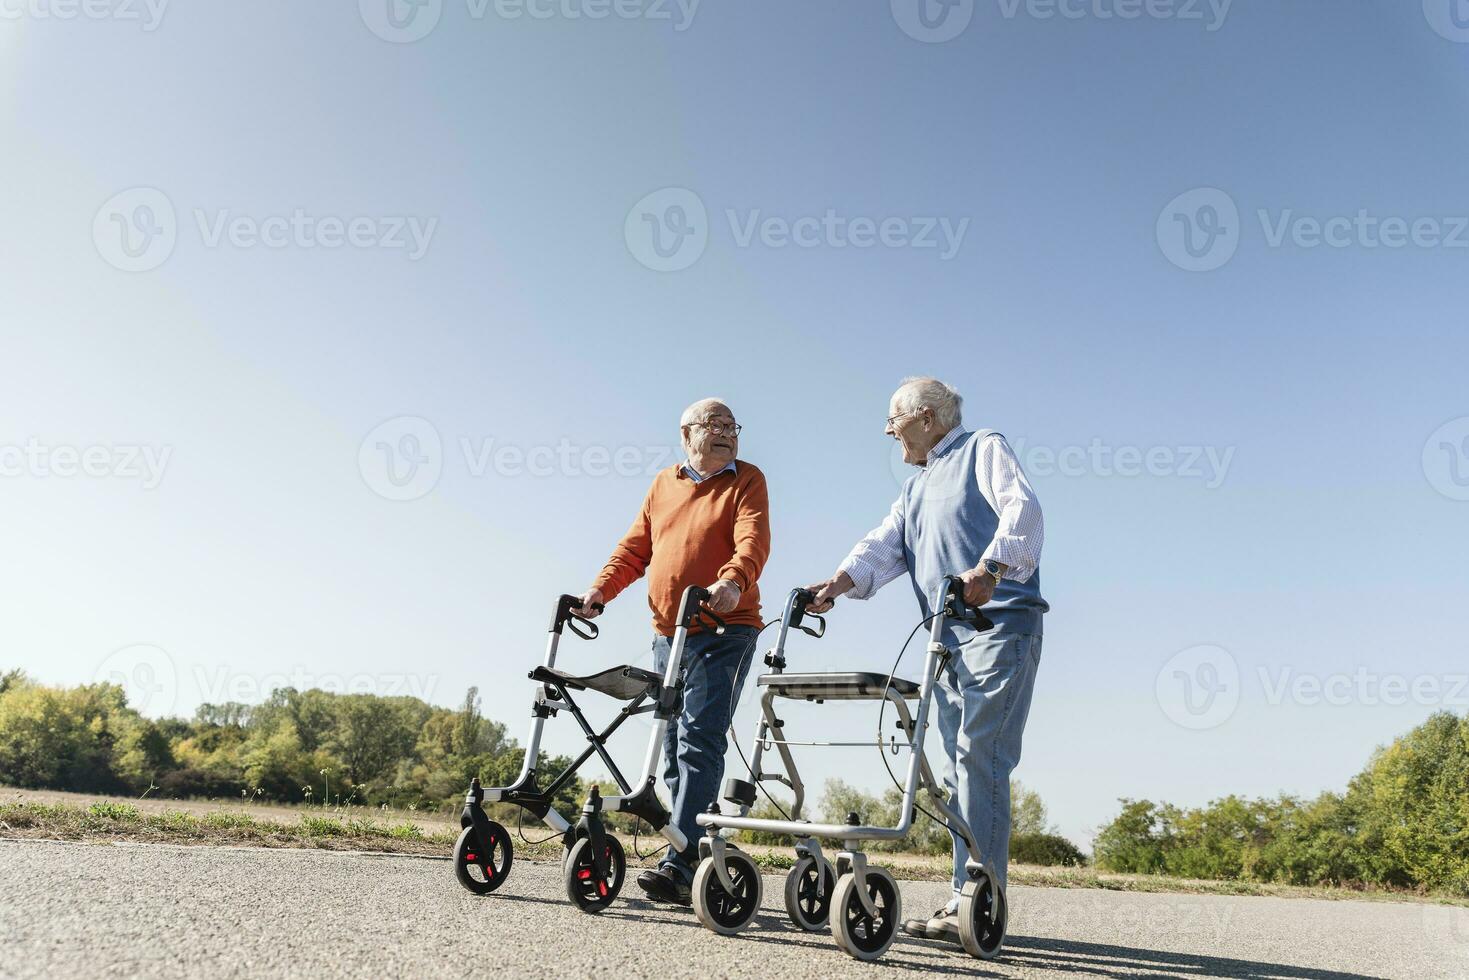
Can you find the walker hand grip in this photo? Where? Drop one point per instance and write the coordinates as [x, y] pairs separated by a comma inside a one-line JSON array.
[[800, 599], [689, 612], [955, 606], [564, 614]]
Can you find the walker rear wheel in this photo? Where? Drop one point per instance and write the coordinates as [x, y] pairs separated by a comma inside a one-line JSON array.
[[481, 870], [981, 933]]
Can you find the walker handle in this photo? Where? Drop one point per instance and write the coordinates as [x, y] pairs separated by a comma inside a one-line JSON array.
[[800, 598], [564, 615], [956, 607], [692, 611]]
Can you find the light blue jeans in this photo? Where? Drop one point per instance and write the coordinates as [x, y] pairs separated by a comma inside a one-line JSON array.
[[714, 669], [982, 700]]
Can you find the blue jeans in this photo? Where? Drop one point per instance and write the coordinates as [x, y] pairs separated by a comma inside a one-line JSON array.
[[713, 672], [982, 699]]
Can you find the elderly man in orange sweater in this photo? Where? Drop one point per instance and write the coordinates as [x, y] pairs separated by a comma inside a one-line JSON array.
[[705, 522]]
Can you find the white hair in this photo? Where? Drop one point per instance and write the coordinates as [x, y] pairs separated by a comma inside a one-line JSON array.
[[699, 410], [914, 394]]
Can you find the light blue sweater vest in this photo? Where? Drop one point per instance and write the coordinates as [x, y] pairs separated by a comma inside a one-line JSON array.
[[947, 525]]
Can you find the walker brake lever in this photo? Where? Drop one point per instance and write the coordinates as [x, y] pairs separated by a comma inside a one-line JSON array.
[[955, 606], [802, 599], [590, 634], [719, 624]]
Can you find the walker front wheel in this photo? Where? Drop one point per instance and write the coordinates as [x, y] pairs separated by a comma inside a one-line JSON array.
[[583, 886], [479, 869], [727, 912], [863, 935], [808, 893]]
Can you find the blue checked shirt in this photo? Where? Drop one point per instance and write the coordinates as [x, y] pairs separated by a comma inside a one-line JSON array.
[[878, 558]]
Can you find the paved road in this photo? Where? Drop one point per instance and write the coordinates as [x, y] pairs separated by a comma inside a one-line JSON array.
[[70, 910]]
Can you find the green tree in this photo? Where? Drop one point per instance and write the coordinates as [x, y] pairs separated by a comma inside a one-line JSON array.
[[10, 679], [1027, 811]]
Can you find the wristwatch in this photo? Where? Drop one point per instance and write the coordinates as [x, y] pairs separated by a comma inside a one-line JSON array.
[[993, 568]]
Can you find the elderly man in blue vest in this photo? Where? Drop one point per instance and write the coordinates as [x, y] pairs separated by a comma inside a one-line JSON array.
[[967, 511]]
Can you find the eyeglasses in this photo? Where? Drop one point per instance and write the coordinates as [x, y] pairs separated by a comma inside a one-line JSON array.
[[720, 428], [895, 418]]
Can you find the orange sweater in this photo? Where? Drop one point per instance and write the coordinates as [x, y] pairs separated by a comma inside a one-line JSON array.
[[691, 533]]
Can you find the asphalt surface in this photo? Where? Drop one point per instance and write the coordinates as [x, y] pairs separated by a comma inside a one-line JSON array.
[[71, 910]]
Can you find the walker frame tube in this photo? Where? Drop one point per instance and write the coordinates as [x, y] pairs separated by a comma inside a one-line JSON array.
[[918, 771]]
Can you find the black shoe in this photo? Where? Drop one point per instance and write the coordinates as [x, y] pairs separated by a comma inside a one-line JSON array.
[[661, 885]]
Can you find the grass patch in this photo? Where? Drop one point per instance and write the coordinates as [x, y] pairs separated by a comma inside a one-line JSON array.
[[109, 810], [124, 822], [121, 821]]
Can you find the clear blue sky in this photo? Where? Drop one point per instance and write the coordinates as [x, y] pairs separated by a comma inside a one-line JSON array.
[[1332, 542]]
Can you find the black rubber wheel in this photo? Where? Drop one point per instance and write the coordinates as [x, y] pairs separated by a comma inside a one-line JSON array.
[[808, 909], [864, 936], [981, 933], [481, 871], [582, 885], [727, 912]]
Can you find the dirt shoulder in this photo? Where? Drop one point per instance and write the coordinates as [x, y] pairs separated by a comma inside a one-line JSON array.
[[27, 814]]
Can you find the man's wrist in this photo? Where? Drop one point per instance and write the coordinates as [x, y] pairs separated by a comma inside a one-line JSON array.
[[994, 569]]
